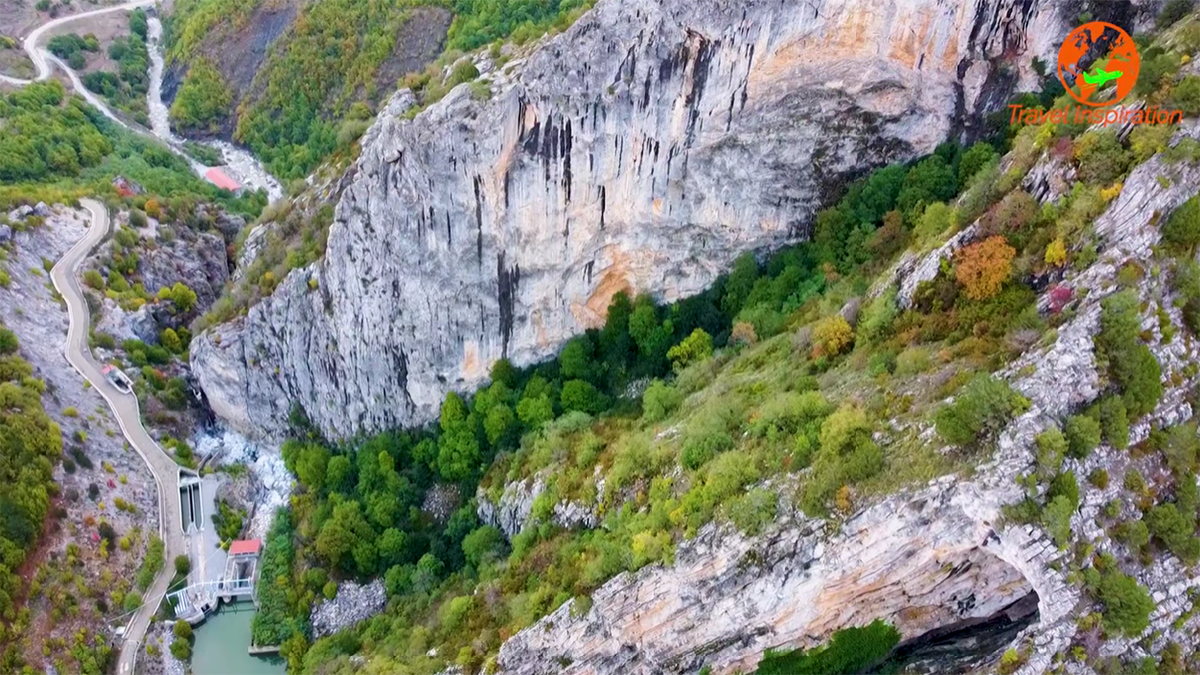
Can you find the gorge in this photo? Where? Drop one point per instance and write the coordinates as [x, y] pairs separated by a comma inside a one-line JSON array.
[[642, 150]]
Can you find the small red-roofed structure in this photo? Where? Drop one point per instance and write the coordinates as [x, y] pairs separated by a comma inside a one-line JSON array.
[[221, 179], [245, 547]]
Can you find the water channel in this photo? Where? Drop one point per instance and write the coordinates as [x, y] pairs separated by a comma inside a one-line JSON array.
[[222, 642]]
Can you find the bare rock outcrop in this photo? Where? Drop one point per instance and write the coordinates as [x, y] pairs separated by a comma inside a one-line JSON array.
[[643, 149]]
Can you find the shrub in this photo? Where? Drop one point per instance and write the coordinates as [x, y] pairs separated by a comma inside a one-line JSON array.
[[913, 361], [1181, 231], [1057, 519], [1051, 449], [1101, 158], [1133, 533], [742, 334], [1186, 95], [1176, 531], [1056, 253], [1099, 478], [983, 407], [182, 630], [1127, 605], [878, 316], [582, 396], [1173, 11], [1083, 435], [850, 650], [1114, 422], [93, 280], [754, 510], [983, 267], [181, 649], [705, 438], [1131, 364], [660, 400], [831, 336], [183, 565], [694, 348]]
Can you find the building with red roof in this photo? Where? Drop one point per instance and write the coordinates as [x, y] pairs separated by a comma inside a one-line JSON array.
[[221, 179], [245, 547]]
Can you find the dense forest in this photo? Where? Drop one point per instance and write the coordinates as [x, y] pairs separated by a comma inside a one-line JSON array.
[[126, 89], [30, 447], [317, 88], [55, 147], [778, 367]]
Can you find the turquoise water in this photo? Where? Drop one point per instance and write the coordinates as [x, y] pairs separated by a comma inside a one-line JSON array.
[[222, 641]]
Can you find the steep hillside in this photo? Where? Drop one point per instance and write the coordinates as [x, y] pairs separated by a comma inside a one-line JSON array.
[[642, 150], [964, 443], [296, 81], [952, 429]]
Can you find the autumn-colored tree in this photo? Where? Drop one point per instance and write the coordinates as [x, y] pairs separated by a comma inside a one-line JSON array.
[[983, 267], [1056, 253], [153, 208], [831, 336], [743, 334]]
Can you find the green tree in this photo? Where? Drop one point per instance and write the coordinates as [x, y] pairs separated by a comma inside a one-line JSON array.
[[1127, 605], [458, 451], [1057, 519], [931, 180], [339, 475], [535, 411], [975, 158], [203, 99], [983, 406], [582, 396], [1182, 228], [393, 547], [1083, 435], [500, 425], [693, 349], [577, 358], [340, 540], [1176, 531], [1131, 364], [482, 545]]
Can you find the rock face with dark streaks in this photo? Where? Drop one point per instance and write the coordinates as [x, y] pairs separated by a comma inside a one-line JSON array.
[[642, 150]]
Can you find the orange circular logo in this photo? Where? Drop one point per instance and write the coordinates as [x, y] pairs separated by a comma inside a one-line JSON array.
[[1098, 64]]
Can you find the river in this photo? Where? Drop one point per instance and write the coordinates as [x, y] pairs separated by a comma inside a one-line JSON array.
[[222, 641], [239, 164]]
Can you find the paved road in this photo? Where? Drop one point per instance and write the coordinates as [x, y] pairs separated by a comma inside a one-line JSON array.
[[42, 58], [125, 409]]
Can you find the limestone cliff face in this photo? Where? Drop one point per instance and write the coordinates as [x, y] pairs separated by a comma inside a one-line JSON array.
[[927, 561], [641, 150]]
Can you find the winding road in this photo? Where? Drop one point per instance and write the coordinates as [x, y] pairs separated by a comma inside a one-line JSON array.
[[125, 409], [42, 58]]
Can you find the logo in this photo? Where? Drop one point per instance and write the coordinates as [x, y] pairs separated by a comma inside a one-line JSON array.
[[1098, 64]]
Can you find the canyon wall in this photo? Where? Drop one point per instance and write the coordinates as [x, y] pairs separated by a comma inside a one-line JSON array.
[[641, 150]]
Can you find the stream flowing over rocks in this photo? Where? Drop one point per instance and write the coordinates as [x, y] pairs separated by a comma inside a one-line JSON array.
[[239, 164], [271, 481], [641, 150]]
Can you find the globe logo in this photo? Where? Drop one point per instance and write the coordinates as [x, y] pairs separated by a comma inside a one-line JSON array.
[[1098, 64]]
